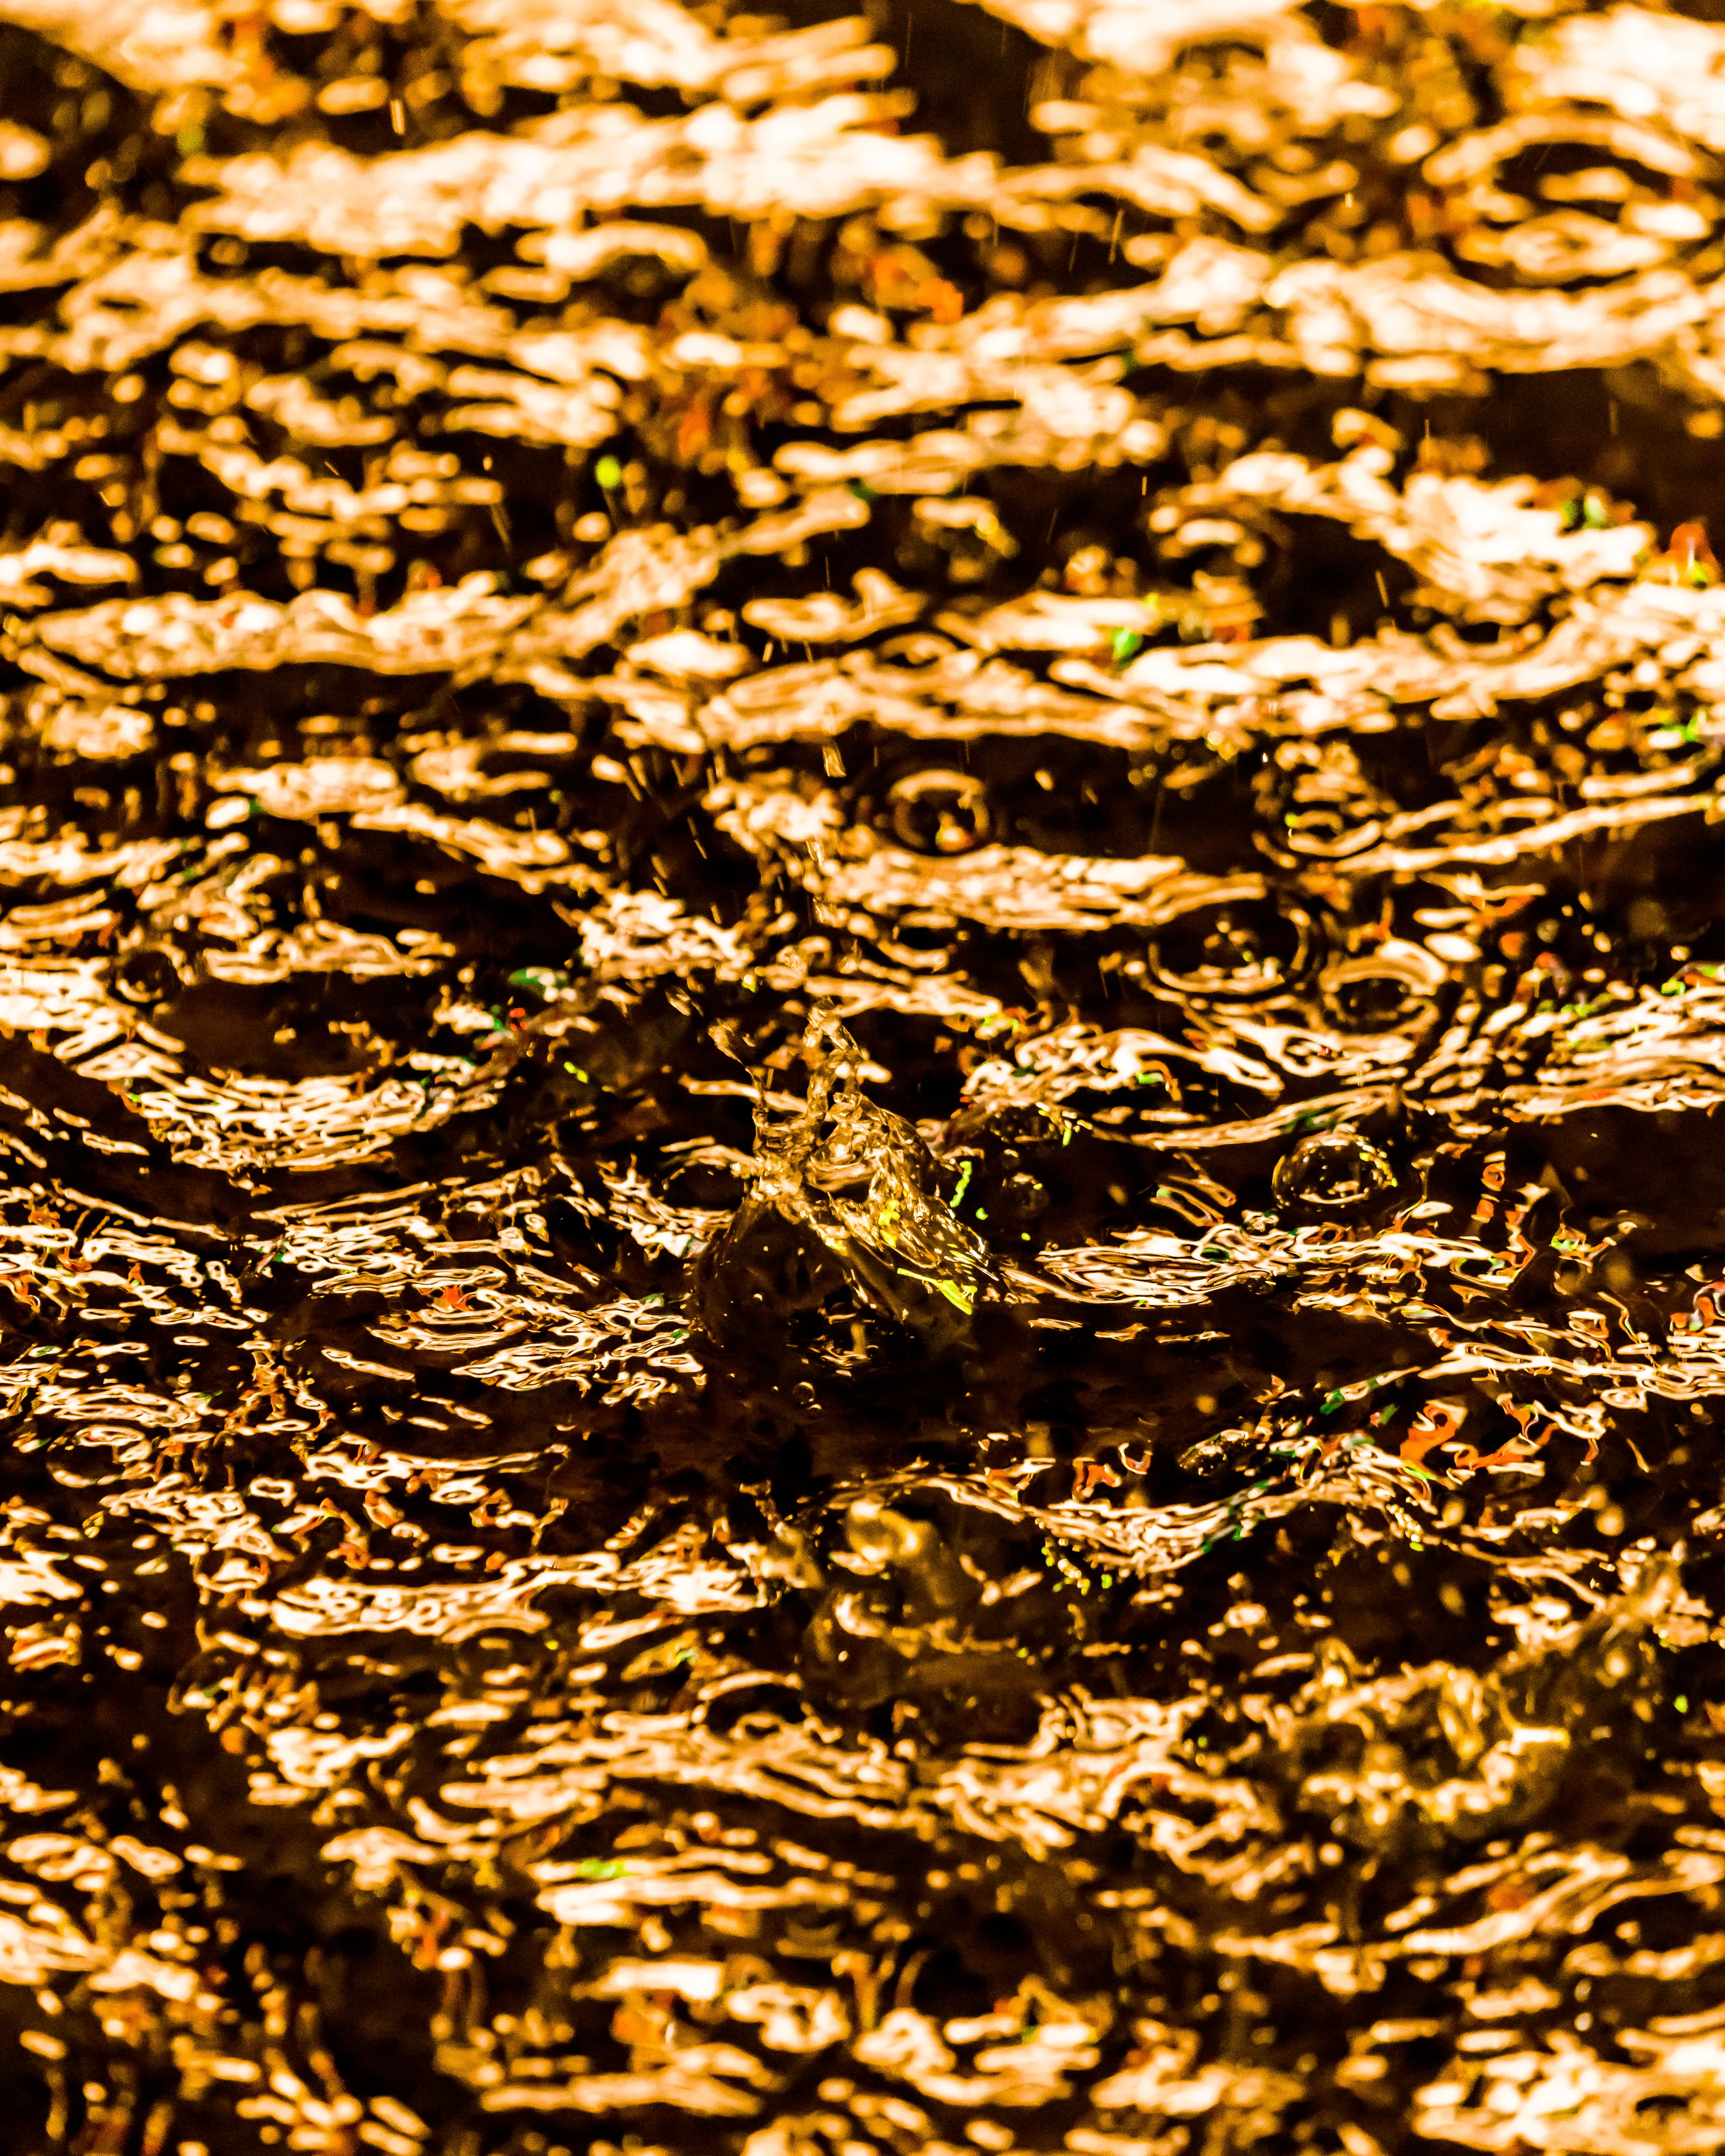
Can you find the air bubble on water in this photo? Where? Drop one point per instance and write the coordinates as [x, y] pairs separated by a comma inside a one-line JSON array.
[[1334, 1170]]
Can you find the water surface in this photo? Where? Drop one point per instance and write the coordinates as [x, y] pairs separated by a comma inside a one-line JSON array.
[[863, 1254]]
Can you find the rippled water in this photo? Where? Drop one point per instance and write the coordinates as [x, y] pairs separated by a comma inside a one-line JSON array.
[[862, 975]]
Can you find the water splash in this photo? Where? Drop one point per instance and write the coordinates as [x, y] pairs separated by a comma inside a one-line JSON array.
[[901, 1249]]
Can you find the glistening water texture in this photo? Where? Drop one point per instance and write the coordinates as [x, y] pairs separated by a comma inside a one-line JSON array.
[[863, 976]]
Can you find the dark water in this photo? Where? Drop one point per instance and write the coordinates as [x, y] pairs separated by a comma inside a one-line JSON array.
[[862, 992]]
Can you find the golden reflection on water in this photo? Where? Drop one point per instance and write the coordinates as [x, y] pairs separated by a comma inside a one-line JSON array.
[[861, 988]]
